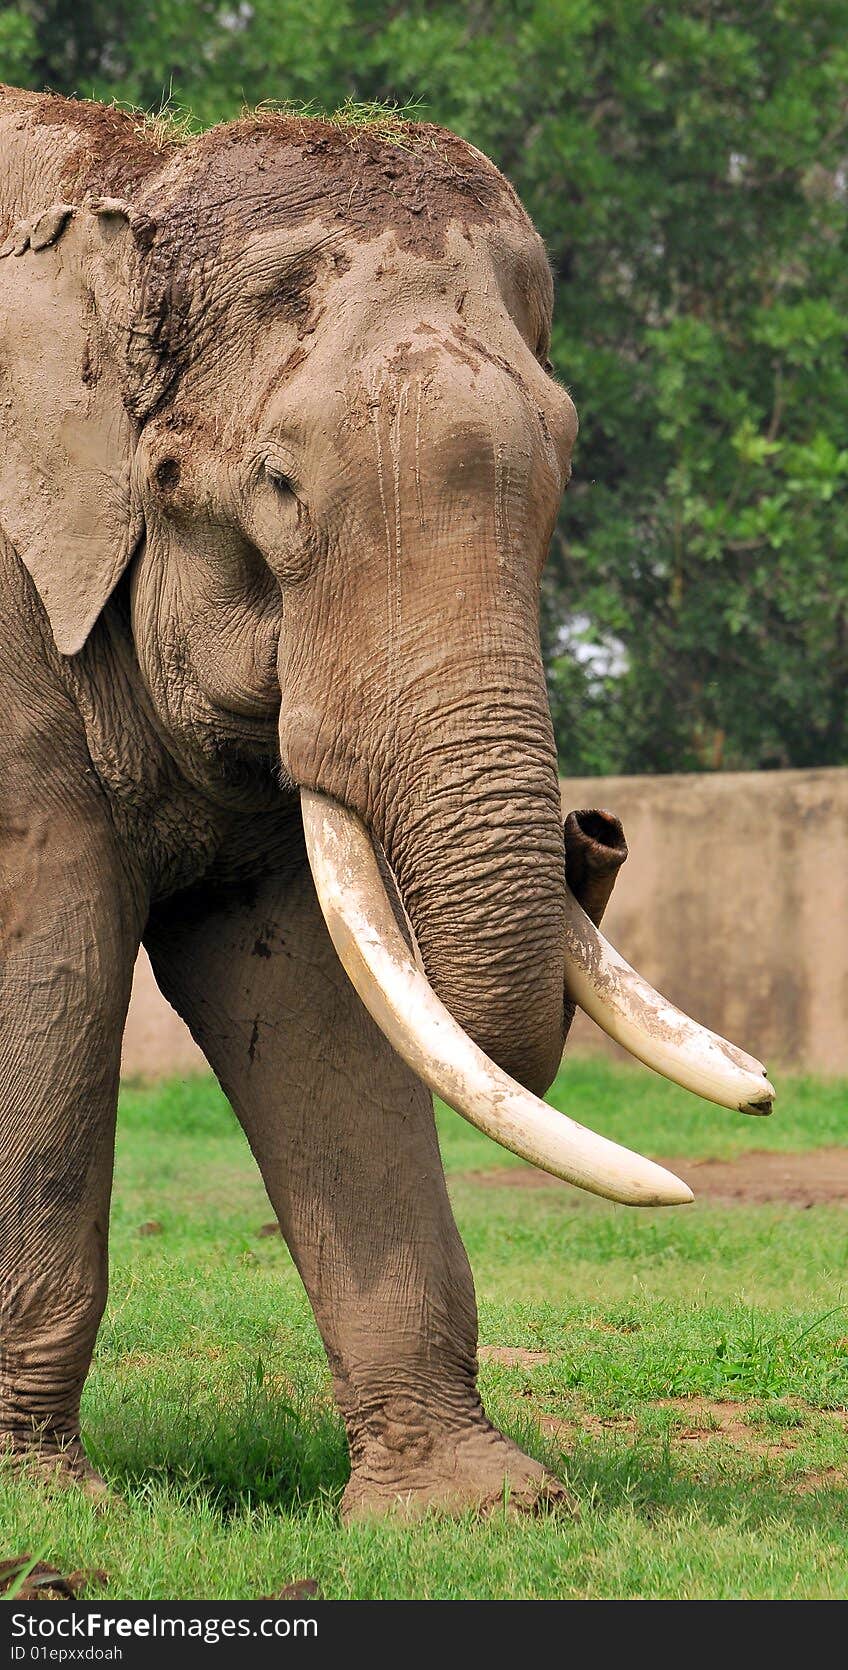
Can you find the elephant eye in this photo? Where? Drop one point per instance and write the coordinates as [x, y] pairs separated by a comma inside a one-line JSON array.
[[278, 478]]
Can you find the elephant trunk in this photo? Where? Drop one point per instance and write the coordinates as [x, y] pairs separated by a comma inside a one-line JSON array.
[[432, 723], [478, 856]]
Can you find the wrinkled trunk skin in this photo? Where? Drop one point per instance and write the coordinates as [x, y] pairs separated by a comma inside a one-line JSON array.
[[450, 761], [480, 868]]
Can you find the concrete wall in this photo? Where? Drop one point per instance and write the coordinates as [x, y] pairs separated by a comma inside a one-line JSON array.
[[733, 902], [156, 1044]]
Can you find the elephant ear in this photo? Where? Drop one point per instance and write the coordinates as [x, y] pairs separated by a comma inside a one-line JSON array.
[[66, 436]]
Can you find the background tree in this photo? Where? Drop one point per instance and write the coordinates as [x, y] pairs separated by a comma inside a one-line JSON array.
[[688, 167]]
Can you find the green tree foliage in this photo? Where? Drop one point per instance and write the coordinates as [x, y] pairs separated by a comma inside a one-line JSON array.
[[18, 46], [687, 164]]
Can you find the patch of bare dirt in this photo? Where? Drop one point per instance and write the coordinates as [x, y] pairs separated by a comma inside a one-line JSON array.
[[708, 1416], [707, 1419], [511, 1356], [822, 1478], [566, 1430], [817, 1178]]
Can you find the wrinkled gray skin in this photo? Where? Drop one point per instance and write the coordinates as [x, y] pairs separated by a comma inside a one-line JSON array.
[[280, 463]]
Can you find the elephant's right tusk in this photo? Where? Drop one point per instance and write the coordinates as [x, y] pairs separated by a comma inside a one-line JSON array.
[[398, 995], [628, 1009]]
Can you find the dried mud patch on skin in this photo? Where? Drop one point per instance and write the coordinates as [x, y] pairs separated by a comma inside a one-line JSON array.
[[272, 168], [275, 170], [112, 151], [760, 1178]]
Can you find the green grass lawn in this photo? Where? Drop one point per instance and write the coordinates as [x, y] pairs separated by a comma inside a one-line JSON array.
[[688, 1376]]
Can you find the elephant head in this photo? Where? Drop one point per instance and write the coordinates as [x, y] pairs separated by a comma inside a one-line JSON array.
[[299, 385]]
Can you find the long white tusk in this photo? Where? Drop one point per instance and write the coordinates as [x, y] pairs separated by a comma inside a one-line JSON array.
[[627, 1008], [374, 954]]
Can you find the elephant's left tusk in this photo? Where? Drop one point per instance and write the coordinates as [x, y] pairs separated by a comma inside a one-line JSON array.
[[399, 996], [628, 1009]]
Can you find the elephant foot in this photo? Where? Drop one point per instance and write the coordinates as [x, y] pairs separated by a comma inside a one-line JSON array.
[[54, 1463], [477, 1471]]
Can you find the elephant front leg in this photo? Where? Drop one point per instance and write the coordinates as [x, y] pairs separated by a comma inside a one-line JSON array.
[[70, 932], [345, 1137]]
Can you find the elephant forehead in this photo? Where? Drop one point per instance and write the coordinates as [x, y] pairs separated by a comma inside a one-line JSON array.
[[280, 171], [287, 274], [306, 304]]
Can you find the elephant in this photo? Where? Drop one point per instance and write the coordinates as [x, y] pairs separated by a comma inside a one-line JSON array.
[[282, 457]]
